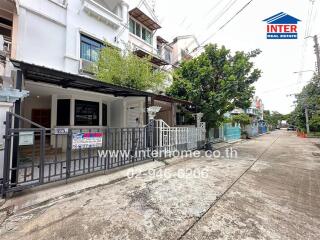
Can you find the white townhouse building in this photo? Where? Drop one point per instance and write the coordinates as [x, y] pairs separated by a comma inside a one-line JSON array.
[[62, 34], [57, 116], [66, 36]]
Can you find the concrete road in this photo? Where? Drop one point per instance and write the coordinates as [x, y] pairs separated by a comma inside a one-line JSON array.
[[270, 191]]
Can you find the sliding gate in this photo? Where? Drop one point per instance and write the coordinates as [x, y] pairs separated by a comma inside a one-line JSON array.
[[36, 155]]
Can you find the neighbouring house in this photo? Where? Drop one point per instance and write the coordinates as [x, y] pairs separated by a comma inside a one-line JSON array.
[[182, 48], [256, 127], [144, 42], [8, 49], [255, 111]]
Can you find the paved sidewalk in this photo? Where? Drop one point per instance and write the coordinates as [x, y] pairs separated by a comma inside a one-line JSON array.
[[278, 197]]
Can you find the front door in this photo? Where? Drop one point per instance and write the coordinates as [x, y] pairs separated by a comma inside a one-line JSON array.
[[42, 117]]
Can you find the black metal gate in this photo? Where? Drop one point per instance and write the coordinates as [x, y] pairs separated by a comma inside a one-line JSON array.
[[35, 155]]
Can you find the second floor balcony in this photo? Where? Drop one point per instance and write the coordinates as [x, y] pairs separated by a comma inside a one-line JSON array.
[[109, 12]]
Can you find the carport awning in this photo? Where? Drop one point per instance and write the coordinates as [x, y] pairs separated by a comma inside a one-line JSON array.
[[42, 74]]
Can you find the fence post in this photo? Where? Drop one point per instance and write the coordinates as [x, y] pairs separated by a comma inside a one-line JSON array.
[[68, 153], [105, 147], [7, 150], [133, 148], [176, 142], [42, 154]]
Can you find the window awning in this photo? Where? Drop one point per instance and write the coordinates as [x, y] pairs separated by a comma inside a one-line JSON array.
[[154, 59], [43, 74], [137, 14]]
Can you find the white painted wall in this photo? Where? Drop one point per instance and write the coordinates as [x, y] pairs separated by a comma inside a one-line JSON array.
[[49, 33], [134, 108], [4, 107]]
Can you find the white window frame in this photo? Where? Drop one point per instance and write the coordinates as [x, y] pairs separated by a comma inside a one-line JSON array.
[[141, 26]]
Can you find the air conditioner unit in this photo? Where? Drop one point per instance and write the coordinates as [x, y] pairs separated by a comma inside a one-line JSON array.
[[87, 66]]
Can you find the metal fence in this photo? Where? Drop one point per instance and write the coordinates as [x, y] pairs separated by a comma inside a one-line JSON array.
[[38, 155], [178, 138]]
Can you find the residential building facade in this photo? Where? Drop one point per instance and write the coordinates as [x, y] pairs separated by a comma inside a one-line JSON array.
[[183, 48], [256, 109]]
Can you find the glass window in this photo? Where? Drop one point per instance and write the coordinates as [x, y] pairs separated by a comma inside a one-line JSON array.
[[131, 25], [86, 113], [167, 55], [138, 30], [89, 48], [148, 37], [144, 33], [95, 54]]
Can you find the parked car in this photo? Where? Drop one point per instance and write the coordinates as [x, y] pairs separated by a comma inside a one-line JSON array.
[[291, 128]]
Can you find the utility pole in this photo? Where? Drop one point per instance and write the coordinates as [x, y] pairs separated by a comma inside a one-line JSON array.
[[317, 52], [307, 118]]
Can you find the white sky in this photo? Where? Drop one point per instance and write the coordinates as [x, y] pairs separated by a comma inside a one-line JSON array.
[[279, 59]]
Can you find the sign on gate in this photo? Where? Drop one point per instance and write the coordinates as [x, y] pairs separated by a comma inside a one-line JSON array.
[[26, 138], [86, 140]]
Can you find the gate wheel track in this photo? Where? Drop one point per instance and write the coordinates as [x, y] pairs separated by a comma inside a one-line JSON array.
[[226, 191]]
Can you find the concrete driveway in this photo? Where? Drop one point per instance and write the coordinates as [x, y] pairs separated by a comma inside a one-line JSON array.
[[270, 191]]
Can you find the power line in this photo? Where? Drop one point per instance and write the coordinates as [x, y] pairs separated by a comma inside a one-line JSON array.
[[309, 18], [214, 7], [315, 15], [222, 12], [289, 85], [225, 24]]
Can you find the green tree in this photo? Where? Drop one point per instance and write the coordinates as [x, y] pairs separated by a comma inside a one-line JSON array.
[[127, 69], [308, 98], [216, 81], [273, 118], [315, 123], [242, 119]]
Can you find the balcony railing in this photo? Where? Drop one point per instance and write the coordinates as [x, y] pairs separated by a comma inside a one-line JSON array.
[[102, 13]]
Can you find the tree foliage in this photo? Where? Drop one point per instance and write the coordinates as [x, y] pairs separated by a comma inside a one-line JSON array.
[[216, 81], [242, 119], [315, 123], [309, 99], [127, 69], [273, 118]]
